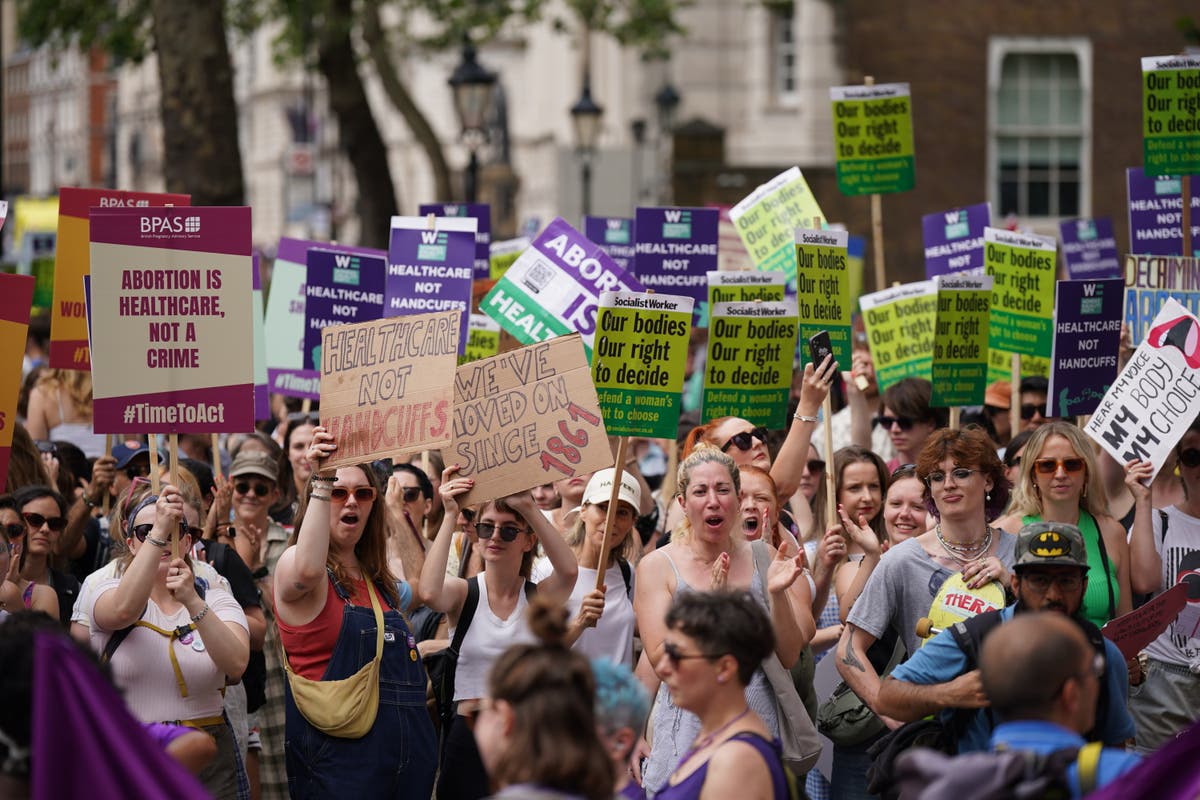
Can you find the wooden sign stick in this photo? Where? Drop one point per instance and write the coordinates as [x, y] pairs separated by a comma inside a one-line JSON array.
[[173, 478], [611, 516]]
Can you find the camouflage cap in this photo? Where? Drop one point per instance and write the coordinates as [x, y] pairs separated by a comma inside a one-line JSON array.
[[1050, 544]]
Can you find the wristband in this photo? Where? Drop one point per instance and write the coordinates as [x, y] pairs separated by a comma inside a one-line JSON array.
[[318, 496], [203, 613], [324, 478], [156, 542], [805, 418]]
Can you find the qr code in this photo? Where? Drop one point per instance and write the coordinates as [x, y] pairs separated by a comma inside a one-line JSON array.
[[538, 275]]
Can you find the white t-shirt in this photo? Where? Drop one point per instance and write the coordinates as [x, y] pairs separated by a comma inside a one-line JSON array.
[[1180, 552], [487, 637], [84, 602], [612, 638]]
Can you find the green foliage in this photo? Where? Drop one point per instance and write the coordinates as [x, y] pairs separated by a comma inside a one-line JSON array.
[[121, 29]]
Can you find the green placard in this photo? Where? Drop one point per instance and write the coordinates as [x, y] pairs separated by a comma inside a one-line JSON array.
[[748, 372], [1000, 366], [1171, 114], [960, 340], [823, 288], [1022, 269], [638, 362], [766, 218], [873, 138], [501, 255], [483, 339], [745, 287], [899, 323]]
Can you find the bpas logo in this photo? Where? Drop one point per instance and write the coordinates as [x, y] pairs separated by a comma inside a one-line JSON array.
[[677, 225], [617, 231], [163, 227], [956, 224], [432, 246], [345, 271], [1050, 544]]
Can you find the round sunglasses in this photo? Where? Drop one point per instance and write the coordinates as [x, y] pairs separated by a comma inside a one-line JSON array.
[[140, 532], [508, 533], [245, 487]]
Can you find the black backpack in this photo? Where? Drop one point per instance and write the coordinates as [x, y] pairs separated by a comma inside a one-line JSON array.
[[925, 774]]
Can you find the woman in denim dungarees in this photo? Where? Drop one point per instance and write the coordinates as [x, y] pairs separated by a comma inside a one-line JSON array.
[[327, 627]]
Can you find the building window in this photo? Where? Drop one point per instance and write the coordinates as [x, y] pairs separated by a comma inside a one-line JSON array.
[[1040, 123], [783, 50]]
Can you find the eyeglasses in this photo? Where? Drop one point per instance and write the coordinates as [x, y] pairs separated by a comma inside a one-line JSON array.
[[411, 493], [675, 655], [133, 471], [1016, 462], [1029, 410], [507, 533], [744, 440], [140, 532], [362, 494], [245, 487], [886, 423], [959, 474], [1040, 581], [816, 465], [1049, 466], [36, 521], [1190, 457]]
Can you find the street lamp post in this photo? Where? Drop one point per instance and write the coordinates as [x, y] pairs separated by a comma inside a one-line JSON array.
[[666, 100], [585, 115], [472, 86]]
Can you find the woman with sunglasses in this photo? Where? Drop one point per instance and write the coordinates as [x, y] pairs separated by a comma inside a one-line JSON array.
[[181, 643], [909, 418], [1059, 482], [330, 584], [508, 530], [15, 591], [44, 512]]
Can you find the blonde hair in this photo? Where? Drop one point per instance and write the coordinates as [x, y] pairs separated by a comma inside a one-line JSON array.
[[703, 454], [630, 548], [1027, 500], [75, 384]]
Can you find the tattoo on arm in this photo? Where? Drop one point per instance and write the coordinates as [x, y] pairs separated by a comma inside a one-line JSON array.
[[851, 660]]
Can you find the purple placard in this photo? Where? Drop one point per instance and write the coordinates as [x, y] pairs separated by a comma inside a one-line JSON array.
[[207, 229], [482, 214], [1087, 339], [1155, 214], [954, 239], [341, 288], [676, 249], [431, 270], [615, 235], [1089, 248]]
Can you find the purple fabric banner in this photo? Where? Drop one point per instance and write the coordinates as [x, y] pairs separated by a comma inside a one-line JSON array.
[[1156, 214], [341, 288], [1087, 339], [1089, 248], [431, 269], [615, 235], [482, 214], [675, 250], [954, 239]]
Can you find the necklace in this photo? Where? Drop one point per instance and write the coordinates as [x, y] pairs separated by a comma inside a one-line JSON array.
[[700, 744], [962, 552]]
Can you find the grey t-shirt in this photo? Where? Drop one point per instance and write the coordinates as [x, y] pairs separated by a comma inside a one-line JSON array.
[[903, 587]]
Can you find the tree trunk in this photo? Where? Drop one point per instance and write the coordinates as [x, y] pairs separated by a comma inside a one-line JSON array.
[[199, 114], [398, 93], [358, 134]]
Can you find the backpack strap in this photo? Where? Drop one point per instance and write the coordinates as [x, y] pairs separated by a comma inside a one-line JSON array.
[[465, 616], [1088, 762], [969, 635], [627, 574], [1104, 563], [530, 591]]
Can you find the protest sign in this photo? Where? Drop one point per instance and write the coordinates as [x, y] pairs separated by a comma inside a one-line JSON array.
[[387, 385], [68, 323], [767, 218], [748, 373], [1133, 631], [1000, 366], [16, 301], [873, 139], [526, 417], [676, 248], [1157, 396], [856, 249], [1087, 340], [638, 363], [823, 288], [960, 341], [554, 287], [3, 213], [341, 288], [171, 320], [1022, 270], [504, 253], [1156, 213], [262, 394], [483, 339], [284, 327], [429, 267], [482, 214], [615, 237], [1170, 114], [732, 255], [900, 324], [744, 287], [954, 239], [1089, 248], [1150, 281]]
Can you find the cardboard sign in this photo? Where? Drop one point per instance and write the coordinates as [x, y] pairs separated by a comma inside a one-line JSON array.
[[503, 254], [615, 237], [172, 321], [1133, 631], [16, 301], [676, 248], [1170, 114], [429, 269], [483, 339], [554, 288], [1087, 341], [748, 372], [387, 385], [342, 288], [284, 326], [1155, 398], [900, 323], [262, 393], [1089, 248], [68, 322], [1156, 213], [1022, 270], [526, 417], [960, 340], [823, 287], [1150, 281], [873, 138], [954, 239], [482, 214], [767, 218]]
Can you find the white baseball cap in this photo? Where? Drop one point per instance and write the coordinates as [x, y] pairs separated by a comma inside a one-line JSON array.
[[599, 489]]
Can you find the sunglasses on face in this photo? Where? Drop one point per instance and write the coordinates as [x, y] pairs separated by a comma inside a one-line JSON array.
[[411, 493], [959, 474], [363, 494], [508, 533], [140, 532], [14, 530], [1041, 582], [1029, 410], [468, 514], [135, 471], [36, 521], [245, 487], [675, 655], [745, 440], [886, 423], [1049, 466], [1190, 457], [816, 465]]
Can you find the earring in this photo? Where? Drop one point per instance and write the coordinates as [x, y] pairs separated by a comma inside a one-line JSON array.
[[988, 497], [720, 679]]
